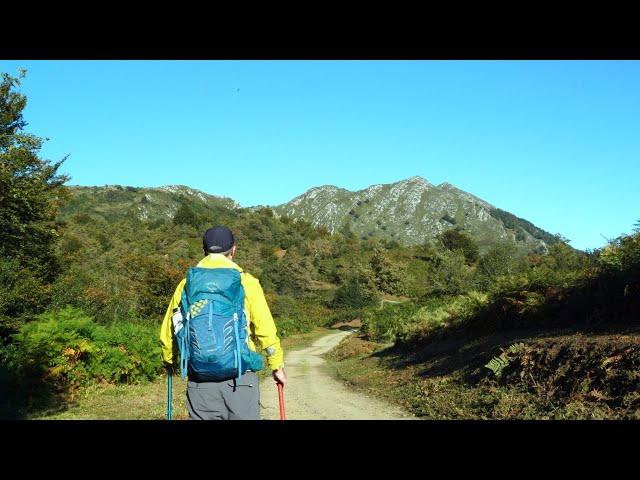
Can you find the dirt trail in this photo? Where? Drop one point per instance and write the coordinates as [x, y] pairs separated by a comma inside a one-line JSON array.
[[312, 394]]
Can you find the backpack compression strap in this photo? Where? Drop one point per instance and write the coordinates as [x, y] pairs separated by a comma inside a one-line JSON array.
[[238, 354], [184, 341]]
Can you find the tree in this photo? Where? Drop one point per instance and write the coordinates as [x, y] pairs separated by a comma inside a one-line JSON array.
[[448, 274], [346, 229], [455, 239], [31, 191], [501, 259], [290, 275], [186, 216], [358, 288], [388, 276]]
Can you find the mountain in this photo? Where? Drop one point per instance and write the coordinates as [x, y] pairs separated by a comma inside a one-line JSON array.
[[412, 211], [111, 202]]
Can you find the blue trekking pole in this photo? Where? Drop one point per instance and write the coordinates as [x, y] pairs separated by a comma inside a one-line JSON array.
[[169, 395]]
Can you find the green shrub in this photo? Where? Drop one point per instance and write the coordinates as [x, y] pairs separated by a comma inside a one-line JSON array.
[[408, 322], [66, 348], [457, 240], [389, 277], [500, 259], [288, 326], [22, 294], [293, 315], [358, 289], [448, 274], [343, 314], [390, 321], [128, 353]]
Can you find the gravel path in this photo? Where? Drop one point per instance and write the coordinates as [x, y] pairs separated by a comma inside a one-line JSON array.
[[312, 394]]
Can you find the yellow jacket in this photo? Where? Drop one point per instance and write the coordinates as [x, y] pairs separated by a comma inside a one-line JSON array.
[[262, 329]]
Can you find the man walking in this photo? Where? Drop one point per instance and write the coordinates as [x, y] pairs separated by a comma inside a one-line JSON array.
[[217, 320]]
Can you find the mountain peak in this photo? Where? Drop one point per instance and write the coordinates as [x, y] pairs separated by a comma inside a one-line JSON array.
[[411, 211], [416, 179]]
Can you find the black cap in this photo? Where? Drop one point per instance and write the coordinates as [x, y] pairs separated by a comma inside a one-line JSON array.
[[217, 240]]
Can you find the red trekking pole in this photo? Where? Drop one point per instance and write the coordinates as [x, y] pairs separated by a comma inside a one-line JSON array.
[[281, 398]]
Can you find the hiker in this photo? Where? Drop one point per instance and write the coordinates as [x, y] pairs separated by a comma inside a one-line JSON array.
[[227, 320]]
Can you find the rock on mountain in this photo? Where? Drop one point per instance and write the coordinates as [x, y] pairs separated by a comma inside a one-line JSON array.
[[412, 211]]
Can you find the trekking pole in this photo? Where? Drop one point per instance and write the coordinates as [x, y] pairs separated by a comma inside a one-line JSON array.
[[281, 399], [169, 391]]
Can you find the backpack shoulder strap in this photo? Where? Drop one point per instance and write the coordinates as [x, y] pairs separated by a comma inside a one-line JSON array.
[[184, 339]]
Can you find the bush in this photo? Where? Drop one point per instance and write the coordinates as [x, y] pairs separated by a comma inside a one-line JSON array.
[[448, 274], [500, 259], [186, 216], [64, 349], [288, 326], [387, 323], [456, 240], [293, 315], [291, 275], [22, 294], [406, 323], [389, 277], [358, 289]]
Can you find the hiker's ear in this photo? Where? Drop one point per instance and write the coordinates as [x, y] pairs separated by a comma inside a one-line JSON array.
[[233, 251]]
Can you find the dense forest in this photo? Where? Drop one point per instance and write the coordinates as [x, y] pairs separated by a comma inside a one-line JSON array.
[[86, 274]]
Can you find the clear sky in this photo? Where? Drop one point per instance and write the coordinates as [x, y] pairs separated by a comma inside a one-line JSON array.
[[554, 142]]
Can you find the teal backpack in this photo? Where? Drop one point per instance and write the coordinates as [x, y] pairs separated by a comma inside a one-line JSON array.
[[212, 338]]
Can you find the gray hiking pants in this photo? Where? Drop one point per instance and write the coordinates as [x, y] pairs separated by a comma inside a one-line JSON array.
[[226, 400]]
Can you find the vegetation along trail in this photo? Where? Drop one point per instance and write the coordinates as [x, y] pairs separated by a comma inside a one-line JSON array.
[[312, 394]]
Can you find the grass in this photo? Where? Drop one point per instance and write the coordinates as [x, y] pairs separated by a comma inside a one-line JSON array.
[[303, 340], [125, 402], [146, 401]]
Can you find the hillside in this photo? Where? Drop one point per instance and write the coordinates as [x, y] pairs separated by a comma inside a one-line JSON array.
[[412, 211], [122, 250], [112, 202], [560, 340]]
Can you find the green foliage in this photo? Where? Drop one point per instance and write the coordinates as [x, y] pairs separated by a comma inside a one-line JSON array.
[[186, 216], [358, 288], [457, 240], [347, 229], [449, 274], [500, 260], [389, 322], [499, 363], [65, 349], [291, 275], [389, 277], [408, 323], [516, 223], [31, 191], [297, 315]]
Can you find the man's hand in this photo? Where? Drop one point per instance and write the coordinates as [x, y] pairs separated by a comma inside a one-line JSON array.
[[280, 377]]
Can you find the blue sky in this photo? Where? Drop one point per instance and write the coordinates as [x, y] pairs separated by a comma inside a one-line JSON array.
[[555, 142]]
